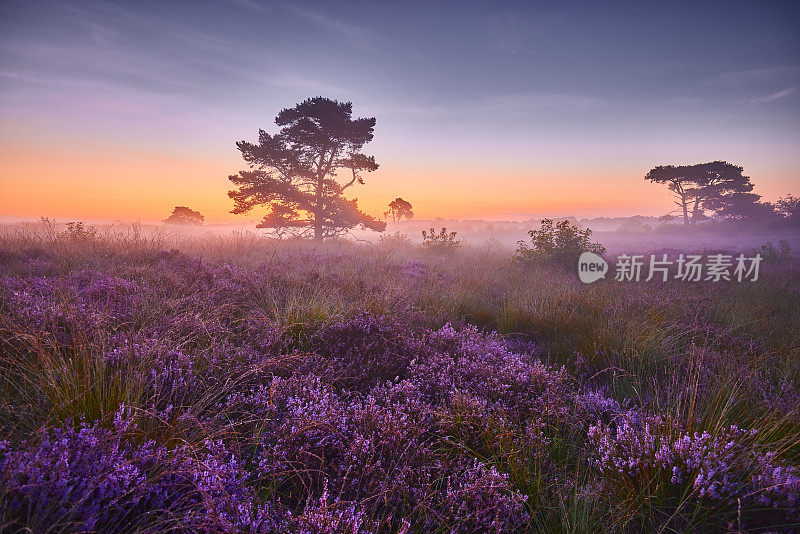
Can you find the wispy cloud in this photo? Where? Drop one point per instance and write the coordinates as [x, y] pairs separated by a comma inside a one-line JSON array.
[[293, 81], [507, 103], [774, 96], [104, 45], [756, 76], [87, 63], [250, 5], [356, 35], [112, 22]]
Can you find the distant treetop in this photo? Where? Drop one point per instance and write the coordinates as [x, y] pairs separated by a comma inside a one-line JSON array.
[[399, 208], [185, 216], [717, 186]]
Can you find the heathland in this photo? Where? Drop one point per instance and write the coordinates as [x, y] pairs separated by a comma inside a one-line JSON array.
[[238, 383]]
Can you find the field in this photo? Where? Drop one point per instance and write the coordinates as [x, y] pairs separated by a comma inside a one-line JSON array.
[[241, 384]]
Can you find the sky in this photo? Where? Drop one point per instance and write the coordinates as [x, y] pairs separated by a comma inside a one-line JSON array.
[[492, 110]]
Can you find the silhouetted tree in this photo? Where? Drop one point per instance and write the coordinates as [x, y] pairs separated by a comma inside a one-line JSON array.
[[399, 208], [789, 207], [294, 172], [701, 187], [184, 215]]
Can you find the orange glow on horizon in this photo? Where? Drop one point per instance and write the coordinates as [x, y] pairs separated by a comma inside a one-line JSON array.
[[107, 183]]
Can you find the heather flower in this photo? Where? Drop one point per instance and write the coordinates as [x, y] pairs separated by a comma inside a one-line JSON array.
[[718, 467], [415, 269], [513, 385], [364, 350], [478, 498]]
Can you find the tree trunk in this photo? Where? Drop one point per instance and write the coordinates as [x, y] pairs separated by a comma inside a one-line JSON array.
[[685, 211], [318, 218], [318, 215], [695, 211]]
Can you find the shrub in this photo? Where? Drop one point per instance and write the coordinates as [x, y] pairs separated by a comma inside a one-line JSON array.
[[561, 244], [441, 242], [395, 240], [769, 253], [77, 232], [643, 457], [263, 398]]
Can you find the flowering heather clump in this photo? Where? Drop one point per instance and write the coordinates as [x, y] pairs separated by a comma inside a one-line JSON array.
[[374, 447], [415, 269], [338, 390], [595, 404], [518, 386], [89, 478], [776, 485], [718, 467], [364, 350], [480, 499], [79, 478], [332, 516]]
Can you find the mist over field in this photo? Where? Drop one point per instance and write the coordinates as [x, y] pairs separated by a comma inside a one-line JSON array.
[[619, 234]]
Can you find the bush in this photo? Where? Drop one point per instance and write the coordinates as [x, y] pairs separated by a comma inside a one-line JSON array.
[[769, 253], [441, 242], [560, 244], [395, 240]]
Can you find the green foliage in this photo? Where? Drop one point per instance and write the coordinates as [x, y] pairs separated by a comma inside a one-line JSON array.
[[441, 242], [562, 243], [717, 186]]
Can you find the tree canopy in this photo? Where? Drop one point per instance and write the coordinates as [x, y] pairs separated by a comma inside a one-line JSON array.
[[296, 172], [717, 186], [399, 208], [185, 216]]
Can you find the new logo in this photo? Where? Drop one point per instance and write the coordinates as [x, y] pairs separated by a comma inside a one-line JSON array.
[[591, 267]]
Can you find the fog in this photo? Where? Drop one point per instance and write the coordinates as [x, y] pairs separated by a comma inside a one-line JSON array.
[[618, 235]]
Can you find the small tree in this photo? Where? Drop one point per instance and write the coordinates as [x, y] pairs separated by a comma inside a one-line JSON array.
[[184, 216], [399, 208], [562, 243], [295, 172]]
